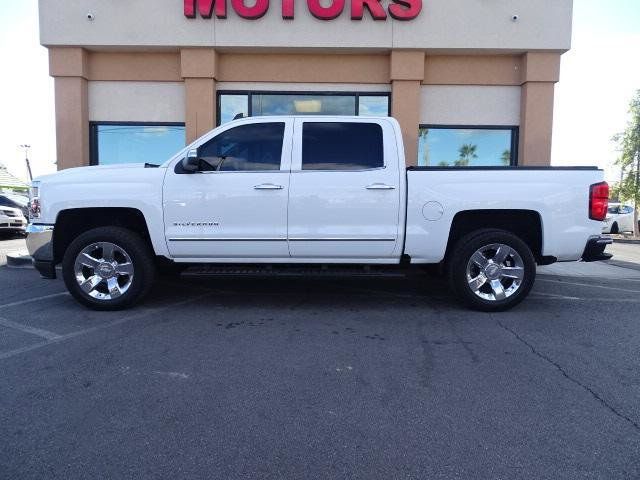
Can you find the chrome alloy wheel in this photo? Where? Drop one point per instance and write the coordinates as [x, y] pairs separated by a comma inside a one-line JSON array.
[[495, 272], [103, 270]]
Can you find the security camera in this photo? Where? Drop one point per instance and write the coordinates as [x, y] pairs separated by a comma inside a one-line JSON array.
[[515, 18], [90, 16]]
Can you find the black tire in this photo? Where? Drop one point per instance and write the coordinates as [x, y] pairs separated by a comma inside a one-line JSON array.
[[142, 261], [460, 256], [614, 228]]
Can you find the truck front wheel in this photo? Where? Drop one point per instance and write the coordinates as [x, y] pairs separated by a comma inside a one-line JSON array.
[[491, 270], [108, 268]]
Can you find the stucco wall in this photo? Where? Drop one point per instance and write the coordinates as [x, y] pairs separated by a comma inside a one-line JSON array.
[[470, 105], [467, 25], [137, 101]]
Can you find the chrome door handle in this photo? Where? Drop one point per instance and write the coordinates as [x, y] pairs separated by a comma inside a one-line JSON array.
[[268, 186], [380, 186]]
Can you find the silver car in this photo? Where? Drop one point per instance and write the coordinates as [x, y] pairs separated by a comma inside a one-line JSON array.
[[12, 220]]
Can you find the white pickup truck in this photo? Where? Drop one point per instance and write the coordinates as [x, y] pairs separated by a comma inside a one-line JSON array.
[[298, 193]]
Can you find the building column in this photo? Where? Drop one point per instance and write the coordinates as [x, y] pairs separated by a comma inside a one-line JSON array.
[[407, 73], [198, 68], [540, 72], [68, 66]]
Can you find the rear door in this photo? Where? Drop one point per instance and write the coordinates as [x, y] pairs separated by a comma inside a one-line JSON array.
[[235, 206], [344, 198]]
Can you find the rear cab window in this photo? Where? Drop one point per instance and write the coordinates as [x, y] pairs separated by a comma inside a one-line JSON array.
[[342, 146]]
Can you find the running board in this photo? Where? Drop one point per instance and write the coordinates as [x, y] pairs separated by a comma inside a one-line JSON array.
[[292, 271]]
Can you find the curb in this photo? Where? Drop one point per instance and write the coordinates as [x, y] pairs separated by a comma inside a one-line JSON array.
[[19, 261], [625, 240]]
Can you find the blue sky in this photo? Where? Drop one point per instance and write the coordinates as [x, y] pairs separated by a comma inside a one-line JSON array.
[[599, 76]]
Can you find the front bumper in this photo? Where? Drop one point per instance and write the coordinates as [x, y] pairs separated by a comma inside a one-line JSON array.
[[40, 246], [594, 251], [13, 224]]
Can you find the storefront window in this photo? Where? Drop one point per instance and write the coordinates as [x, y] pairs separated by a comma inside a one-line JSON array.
[[373, 106], [113, 143], [467, 146], [302, 104], [231, 104]]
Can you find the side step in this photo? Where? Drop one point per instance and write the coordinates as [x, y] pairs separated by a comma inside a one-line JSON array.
[[293, 271]]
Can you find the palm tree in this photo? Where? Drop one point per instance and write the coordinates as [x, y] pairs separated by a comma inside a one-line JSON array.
[[467, 153], [422, 136], [505, 158]]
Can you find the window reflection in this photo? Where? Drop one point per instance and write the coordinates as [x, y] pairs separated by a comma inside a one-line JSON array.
[[136, 143], [233, 105], [303, 103], [299, 104], [465, 147], [341, 146], [373, 106]]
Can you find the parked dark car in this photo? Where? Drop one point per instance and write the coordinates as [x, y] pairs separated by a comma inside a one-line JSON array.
[[15, 201]]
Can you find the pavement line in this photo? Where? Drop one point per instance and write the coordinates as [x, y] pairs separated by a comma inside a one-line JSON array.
[[588, 285], [547, 296], [68, 336], [35, 299], [554, 296], [27, 329]]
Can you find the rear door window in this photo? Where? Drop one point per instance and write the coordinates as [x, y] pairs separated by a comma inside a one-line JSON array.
[[342, 146]]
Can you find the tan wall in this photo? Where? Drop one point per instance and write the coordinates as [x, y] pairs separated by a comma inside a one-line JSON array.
[[536, 123], [473, 70], [72, 122], [152, 67], [405, 70], [200, 106], [302, 68], [406, 109], [540, 72]]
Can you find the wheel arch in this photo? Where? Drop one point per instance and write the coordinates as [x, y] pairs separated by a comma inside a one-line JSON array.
[[525, 224], [74, 221]]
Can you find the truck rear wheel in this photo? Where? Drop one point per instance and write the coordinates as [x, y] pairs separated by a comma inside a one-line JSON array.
[[491, 270], [108, 268]]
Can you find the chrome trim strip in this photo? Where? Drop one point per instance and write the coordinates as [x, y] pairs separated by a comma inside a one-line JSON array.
[[336, 239], [209, 239], [332, 239]]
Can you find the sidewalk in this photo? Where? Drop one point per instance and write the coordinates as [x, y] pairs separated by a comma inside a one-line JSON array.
[[624, 264], [595, 269], [14, 248]]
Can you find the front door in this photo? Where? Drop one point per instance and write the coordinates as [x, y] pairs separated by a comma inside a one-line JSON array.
[[344, 200], [235, 206]]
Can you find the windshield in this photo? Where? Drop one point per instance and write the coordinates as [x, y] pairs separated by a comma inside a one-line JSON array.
[[21, 200]]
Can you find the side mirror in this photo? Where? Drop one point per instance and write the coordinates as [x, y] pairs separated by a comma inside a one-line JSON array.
[[191, 162]]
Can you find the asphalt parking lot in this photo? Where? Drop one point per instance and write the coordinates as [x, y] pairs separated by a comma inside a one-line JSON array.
[[322, 378]]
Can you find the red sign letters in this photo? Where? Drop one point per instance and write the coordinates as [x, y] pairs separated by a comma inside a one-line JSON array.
[[398, 9]]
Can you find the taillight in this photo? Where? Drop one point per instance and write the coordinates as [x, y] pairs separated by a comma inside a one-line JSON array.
[[598, 201]]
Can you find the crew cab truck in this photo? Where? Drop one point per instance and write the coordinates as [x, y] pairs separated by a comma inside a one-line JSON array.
[[305, 190]]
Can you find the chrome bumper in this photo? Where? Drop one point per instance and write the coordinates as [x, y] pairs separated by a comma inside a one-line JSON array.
[[40, 247]]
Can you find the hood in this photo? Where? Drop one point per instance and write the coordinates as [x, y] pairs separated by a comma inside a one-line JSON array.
[[93, 172], [15, 211]]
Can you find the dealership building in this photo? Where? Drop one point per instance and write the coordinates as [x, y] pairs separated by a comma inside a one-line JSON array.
[[470, 81]]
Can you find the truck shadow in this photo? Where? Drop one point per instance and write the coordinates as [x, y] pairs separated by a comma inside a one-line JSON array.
[[312, 292]]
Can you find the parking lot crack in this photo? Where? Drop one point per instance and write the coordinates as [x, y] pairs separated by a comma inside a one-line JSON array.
[[564, 373]]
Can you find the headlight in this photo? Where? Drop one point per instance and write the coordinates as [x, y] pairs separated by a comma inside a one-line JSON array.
[[34, 201]]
